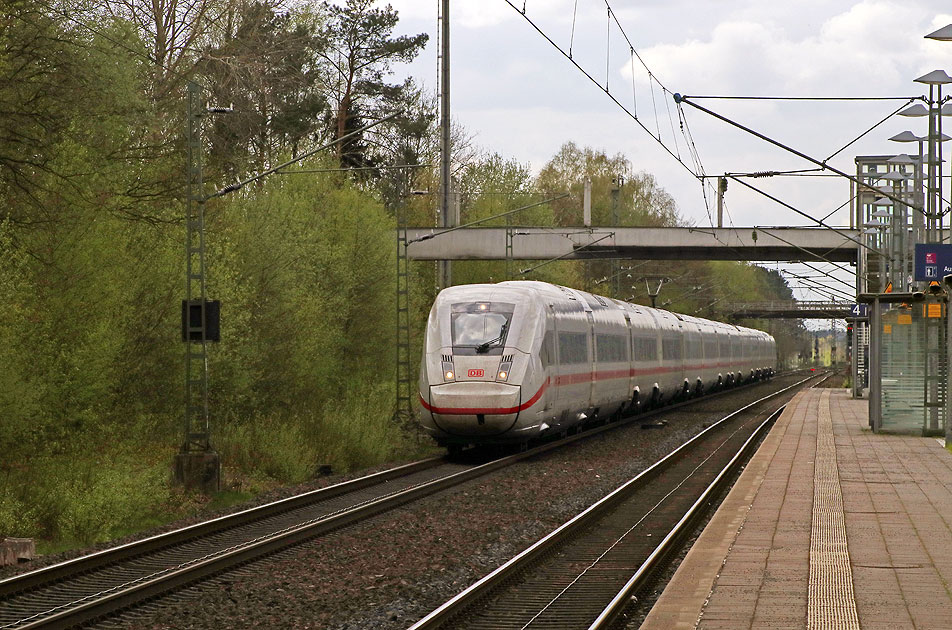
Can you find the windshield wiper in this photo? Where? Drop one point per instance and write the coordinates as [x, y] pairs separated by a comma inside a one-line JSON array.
[[486, 345]]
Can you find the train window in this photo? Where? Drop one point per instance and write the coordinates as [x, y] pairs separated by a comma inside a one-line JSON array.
[[692, 348], [610, 348], [710, 348], [481, 325], [725, 347], [547, 352], [671, 349], [645, 348], [573, 348]]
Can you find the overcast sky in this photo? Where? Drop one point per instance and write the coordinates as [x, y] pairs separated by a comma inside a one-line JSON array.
[[523, 99]]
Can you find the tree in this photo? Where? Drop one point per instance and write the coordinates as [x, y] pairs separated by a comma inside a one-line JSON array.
[[171, 30], [265, 64], [360, 53], [641, 201], [40, 71]]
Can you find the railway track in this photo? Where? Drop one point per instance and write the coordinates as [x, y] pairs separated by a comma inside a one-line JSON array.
[[92, 587], [585, 573]]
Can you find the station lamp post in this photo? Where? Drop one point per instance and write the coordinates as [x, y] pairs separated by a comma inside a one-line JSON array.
[[930, 211], [914, 111]]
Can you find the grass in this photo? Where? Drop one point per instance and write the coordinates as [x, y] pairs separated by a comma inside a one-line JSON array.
[[86, 496]]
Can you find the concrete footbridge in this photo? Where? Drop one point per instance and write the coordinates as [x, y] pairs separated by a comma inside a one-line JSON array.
[[755, 243], [791, 309]]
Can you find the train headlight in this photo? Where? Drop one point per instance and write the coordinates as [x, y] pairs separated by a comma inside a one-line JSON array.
[[503, 373], [449, 374]]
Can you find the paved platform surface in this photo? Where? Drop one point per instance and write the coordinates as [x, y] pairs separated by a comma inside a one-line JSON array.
[[829, 526]]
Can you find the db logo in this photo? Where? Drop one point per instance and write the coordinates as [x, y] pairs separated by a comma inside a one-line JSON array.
[[474, 373]]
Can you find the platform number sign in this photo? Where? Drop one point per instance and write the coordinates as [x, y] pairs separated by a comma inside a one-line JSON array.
[[859, 311]]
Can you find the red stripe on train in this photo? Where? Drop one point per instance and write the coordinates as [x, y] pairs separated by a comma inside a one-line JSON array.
[[566, 379], [488, 411]]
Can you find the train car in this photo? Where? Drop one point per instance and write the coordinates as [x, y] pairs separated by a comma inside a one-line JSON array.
[[515, 361]]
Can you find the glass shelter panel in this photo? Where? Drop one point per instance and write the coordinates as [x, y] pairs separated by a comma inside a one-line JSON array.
[[912, 400]]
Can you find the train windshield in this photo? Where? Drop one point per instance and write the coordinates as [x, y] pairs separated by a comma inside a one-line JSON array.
[[481, 326]]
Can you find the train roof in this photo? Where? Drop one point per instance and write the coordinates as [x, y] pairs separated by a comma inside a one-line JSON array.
[[554, 290]]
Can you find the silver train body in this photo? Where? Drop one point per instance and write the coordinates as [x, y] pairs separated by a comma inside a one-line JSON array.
[[515, 361]]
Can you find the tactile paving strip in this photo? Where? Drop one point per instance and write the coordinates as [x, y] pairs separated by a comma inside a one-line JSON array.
[[831, 602]]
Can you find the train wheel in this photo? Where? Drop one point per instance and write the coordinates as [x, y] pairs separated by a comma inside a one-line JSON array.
[[635, 406], [453, 451]]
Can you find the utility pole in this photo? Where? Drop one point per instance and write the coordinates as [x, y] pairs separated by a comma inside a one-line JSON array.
[[587, 202], [446, 210], [721, 189], [617, 183], [197, 465]]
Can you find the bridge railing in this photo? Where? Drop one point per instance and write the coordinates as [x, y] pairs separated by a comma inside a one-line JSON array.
[[789, 305]]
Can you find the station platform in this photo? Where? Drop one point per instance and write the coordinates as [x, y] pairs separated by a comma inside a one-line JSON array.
[[829, 526]]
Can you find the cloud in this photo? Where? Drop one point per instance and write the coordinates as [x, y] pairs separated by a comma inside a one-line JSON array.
[[863, 49], [523, 99], [480, 14]]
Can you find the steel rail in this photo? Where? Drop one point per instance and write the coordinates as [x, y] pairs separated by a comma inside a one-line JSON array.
[[682, 528], [521, 561], [110, 600], [123, 596], [83, 564], [90, 562]]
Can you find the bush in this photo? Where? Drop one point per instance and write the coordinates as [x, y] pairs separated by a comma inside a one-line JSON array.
[[104, 501], [357, 430], [278, 449], [351, 432], [80, 499]]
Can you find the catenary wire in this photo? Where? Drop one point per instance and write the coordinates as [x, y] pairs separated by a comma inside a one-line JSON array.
[[589, 76]]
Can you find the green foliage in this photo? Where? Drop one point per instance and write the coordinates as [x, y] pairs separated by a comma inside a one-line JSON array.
[[92, 152], [636, 198], [305, 269], [281, 449], [349, 432], [363, 48], [90, 282], [83, 499]]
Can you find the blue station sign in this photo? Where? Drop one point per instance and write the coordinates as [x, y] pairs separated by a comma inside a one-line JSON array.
[[859, 311], [933, 261]]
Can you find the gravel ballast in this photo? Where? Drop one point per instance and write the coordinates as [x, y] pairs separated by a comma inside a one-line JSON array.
[[392, 570]]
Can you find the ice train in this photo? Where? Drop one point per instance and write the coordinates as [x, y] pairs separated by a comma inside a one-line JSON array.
[[514, 361]]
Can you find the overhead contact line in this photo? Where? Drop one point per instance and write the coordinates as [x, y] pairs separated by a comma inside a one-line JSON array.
[[678, 98], [605, 89], [804, 98]]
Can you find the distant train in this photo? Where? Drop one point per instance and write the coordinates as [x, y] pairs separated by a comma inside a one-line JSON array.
[[514, 361]]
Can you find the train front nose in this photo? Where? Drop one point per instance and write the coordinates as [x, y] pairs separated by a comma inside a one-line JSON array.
[[476, 409]]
